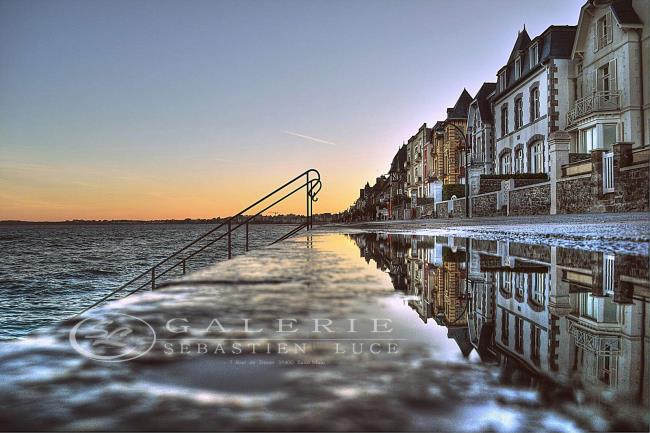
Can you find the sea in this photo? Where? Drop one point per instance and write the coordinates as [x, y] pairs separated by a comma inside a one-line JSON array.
[[50, 272]]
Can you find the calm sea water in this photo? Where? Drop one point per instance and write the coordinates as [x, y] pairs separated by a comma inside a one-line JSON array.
[[51, 272]]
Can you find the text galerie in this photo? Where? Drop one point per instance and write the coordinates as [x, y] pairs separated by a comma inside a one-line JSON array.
[[344, 336]]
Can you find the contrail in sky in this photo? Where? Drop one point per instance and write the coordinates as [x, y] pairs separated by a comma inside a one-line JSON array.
[[308, 137]]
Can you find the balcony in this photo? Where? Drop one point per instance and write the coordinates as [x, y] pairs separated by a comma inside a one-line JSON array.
[[599, 101]]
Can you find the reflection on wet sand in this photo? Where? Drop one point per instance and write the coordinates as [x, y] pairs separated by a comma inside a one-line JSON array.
[[543, 313]]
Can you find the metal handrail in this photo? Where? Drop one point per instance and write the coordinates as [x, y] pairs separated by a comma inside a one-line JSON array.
[[312, 187]]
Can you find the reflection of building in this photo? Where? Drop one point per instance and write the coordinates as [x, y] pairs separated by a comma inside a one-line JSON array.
[[567, 313], [547, 312]]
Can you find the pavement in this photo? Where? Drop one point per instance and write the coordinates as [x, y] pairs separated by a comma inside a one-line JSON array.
[[66, 377], [622, 233]]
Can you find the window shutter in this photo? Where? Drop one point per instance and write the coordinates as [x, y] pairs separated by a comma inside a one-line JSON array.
[[610, 27], [594, 32], [594, 81], [612, 75]]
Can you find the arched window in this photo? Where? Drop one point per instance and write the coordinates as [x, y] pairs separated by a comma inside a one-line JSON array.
[[519, 113], [504, 163], [536, 157], [519, 160], [534, 103], [537, 287], [504, 120]]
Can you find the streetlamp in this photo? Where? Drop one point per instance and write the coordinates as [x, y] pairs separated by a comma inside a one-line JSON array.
[[466, 146]]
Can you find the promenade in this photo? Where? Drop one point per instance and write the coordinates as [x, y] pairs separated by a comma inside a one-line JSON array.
[[230, 374], [616, 232]]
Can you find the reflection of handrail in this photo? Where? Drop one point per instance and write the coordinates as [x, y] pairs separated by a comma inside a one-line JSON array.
[[312, 187]]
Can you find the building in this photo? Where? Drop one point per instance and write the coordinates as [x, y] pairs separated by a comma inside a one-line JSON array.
[[415, 164], [531, 99], [448, 146], [397, 189], [608, 95], [480, 135]]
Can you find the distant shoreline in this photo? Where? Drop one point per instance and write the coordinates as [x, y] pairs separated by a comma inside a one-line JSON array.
[[129, 222]]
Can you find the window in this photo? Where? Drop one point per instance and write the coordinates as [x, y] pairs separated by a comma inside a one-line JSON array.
[[519, 113], [534, 103], [505, 337], [519, 160], [609, 135], [502, 80], [607, 77], [504, 166], [603, 32], [607, 368], [519, 335], [534, 55], [504, 120], [519, 285], [537, 157], [587, 140], [537, 286], [535, 342], [589, 306], [517, 68]]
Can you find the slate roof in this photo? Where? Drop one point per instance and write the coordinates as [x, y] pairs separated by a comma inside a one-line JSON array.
[[483, 103], [398, 160], [459, 111], [522, 42], [624, 12], [461, 336], [554, 42], [438, 126]]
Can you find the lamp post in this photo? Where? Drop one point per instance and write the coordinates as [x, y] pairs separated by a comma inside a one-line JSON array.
[[466, 146]]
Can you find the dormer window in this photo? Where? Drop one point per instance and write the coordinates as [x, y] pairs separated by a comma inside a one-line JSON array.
[[603, 32], [534, 55], [517, 68], [502, 80]]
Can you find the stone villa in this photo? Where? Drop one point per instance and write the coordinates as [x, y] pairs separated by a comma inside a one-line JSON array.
[[564, 129]]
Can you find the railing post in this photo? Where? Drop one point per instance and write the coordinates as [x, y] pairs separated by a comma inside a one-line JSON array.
[[153, 278], [183, 266], [307, 203], [229, 242], [246, 237]]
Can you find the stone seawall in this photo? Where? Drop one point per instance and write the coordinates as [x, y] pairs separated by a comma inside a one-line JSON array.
[[584, 193], [574, 195], [531, 200], [484, 204]]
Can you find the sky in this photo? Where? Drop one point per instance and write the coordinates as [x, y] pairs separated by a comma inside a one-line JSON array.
[[155, 109]]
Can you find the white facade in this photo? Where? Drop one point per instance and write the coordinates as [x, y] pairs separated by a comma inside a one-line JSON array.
[[524, 142], [608, 92], [531, 100]]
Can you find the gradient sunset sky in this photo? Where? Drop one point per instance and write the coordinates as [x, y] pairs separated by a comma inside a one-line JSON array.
[[152, 109]]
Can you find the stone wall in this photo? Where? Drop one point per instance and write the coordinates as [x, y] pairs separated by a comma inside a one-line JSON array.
[[484, 204], [527, 182], [489, 185], [459, 208], [574, 194], [530, 251], [442, 209], [576, 157], [584, 193], [633, 195], [531, 200]]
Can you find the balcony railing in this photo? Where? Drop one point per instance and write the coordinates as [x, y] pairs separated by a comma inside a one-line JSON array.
[[599, 101]]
